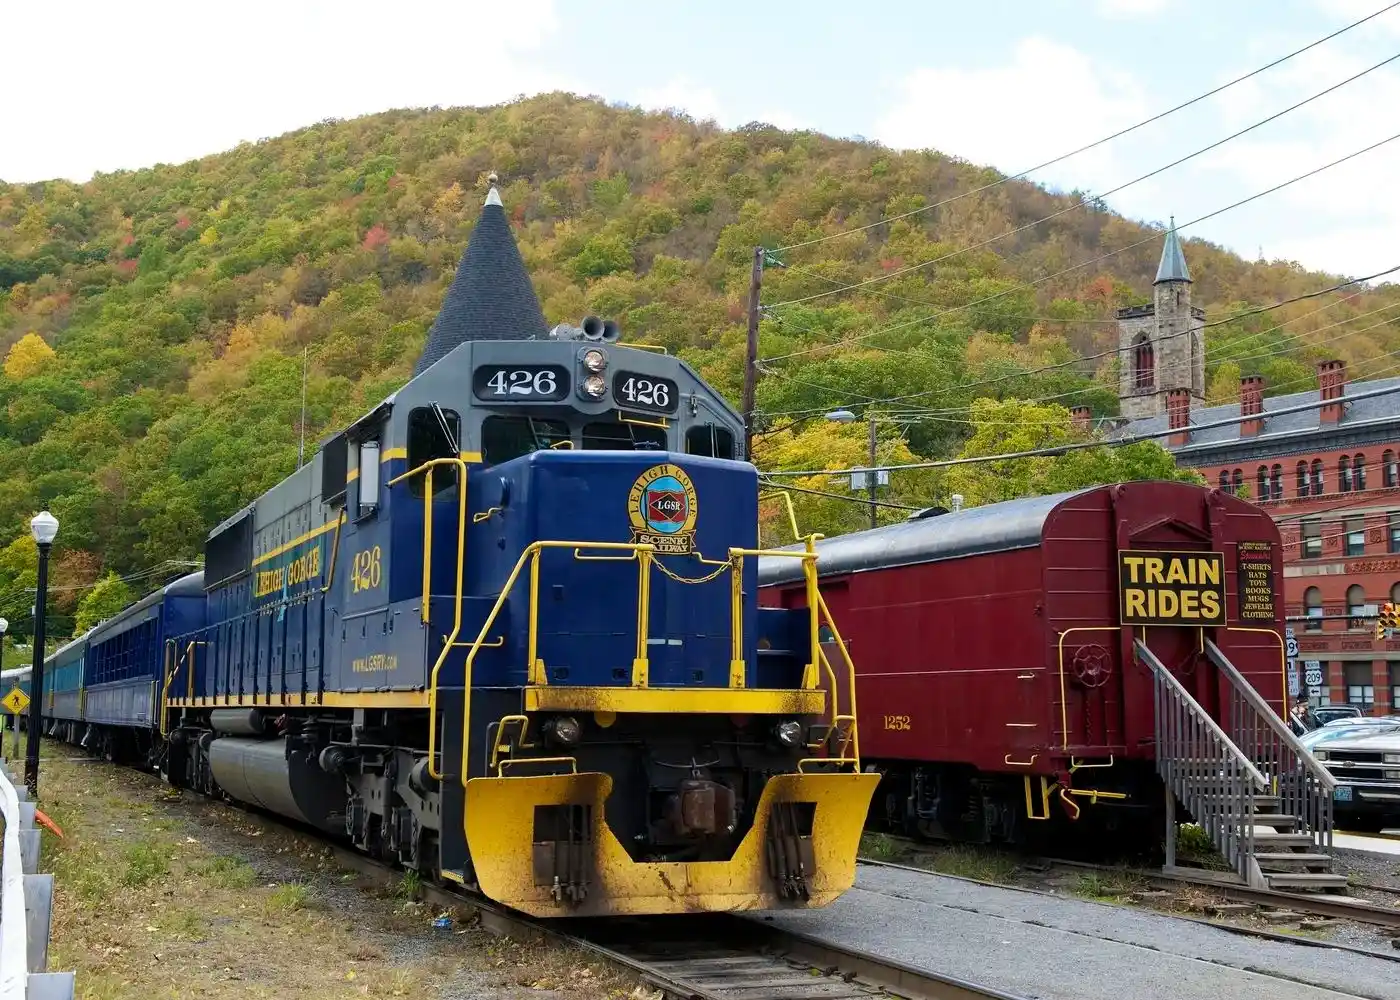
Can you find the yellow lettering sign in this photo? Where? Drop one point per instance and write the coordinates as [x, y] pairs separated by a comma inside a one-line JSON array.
[[300, 570], [1171, 588]]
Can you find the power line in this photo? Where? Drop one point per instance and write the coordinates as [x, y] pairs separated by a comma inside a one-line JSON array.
[[863, 501], [1096, 143], [1095, 260], [1096, 356], [1081, 203], [1081, 446]]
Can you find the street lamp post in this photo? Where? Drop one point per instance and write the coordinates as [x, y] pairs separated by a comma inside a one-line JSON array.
[[44, 527], [847, 417]]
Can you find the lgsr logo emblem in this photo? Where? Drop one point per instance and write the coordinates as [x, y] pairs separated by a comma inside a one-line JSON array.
[[662, 507]]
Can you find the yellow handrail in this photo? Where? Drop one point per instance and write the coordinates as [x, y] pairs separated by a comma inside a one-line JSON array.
[[851, 675], [530, 554], [429, 465], [165, 691], [791, 512]]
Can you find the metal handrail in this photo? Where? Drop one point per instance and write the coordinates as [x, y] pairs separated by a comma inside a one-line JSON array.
[[1304, 787], [1160, 671], [26, 906], [1203, 769]]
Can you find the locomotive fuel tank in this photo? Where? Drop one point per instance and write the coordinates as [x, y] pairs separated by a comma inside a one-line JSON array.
[[265, 773]]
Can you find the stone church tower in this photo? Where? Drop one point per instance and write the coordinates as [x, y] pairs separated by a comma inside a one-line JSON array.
[[1160, 345]]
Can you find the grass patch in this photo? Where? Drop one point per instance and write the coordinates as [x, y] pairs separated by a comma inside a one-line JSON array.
[[969, 862], [1111, 887], [880, 846], [229, 873], [288, 898], [145, 862], [1194, 847]]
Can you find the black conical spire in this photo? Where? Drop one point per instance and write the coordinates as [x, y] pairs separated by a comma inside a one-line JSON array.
[[492, 297]]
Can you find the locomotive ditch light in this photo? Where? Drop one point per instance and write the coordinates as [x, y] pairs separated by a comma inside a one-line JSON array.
[[564, 730], [594, 360], [594, 387], [788, 733]]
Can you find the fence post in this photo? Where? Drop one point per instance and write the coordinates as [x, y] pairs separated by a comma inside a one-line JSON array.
[[26, 905]]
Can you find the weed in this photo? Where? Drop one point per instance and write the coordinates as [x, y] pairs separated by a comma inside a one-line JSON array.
[[229, 873], [287, 897], [1107, 886], [410, 885], [880, 846], [969, 862], [145, 863], [184, 924], [1193, 845]]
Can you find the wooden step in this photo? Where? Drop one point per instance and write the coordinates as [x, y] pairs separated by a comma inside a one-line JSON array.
[[1285, 821], [1272, 838], [1288, 860], [1262, 803], [1304, 880]]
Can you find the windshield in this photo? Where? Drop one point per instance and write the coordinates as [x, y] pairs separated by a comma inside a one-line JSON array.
[[1378, 727]]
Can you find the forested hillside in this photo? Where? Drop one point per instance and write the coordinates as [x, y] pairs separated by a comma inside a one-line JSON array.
[[154, 322]]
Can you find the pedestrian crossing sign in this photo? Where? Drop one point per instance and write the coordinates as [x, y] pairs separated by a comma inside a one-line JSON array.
[[16, 701]]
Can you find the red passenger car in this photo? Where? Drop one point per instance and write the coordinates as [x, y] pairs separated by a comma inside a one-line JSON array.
[[998, 686]]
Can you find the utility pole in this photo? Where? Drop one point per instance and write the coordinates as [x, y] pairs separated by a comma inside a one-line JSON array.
[[301, 442], [870, 483], [751, 354]]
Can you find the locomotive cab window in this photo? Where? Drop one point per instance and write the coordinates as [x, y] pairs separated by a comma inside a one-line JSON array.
[[433, 433], [504, 438], [614, 435], [710, 441]]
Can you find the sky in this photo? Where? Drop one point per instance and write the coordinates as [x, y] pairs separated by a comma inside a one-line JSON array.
[[93, 85]]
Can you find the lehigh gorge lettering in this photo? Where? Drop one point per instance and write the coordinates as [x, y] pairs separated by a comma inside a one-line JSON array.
[[1172, 588]]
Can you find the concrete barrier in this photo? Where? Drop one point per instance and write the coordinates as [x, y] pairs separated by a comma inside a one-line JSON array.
[[26, 905]]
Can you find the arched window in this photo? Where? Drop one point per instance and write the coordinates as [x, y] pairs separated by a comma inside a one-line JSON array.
[[1144, 370], [1317, 477], [1390, 471], [1312, 607], [1237, 481], [1358, 472], [1302, 479], [1344, 474], [1224, 479], [1356, 603], [1395, 593], [1262, 479], [1276, 483]]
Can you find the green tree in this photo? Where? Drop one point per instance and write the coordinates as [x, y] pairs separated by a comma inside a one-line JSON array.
[[108, 596]]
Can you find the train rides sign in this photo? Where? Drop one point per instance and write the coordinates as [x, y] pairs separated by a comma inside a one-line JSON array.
[[1171, 588], [662, 506]]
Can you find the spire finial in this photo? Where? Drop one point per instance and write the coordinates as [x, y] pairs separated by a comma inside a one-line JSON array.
[[1173, 263], [493, 197]]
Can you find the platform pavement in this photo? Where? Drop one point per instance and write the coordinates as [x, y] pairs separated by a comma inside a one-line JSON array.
[[1035, 945], [1385, 842]]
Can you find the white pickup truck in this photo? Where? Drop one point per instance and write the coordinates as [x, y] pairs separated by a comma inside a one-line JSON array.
[[1364, 756]]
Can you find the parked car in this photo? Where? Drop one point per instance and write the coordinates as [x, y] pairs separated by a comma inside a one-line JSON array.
[[1364, 756]]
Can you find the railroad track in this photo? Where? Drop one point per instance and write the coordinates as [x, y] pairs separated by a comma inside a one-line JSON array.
[[714, 956], [1336, 907]]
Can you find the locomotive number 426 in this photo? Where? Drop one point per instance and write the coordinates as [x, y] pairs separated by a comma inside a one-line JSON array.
[[365, 570], [900, 722]]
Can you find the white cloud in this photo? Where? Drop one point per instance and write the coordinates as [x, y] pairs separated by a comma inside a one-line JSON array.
[[682, 94], [126, 85], [1131, 8], [1049, 99]]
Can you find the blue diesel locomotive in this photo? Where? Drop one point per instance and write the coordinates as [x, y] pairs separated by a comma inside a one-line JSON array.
[[504, 629]]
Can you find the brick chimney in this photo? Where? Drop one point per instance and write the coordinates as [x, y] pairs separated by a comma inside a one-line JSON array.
[[1079, 417], [1331, 384], [1251, 405], [1178, 416]]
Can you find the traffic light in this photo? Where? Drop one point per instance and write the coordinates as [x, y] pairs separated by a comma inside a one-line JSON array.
[[1387, 619]]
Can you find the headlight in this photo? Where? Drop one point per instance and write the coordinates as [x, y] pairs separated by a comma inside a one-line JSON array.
[[1391, 758], [595, 386], [564, 729], [788, 733], [595, 360]]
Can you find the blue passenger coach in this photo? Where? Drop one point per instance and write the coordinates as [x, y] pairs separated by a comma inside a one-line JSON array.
[[63, 686]]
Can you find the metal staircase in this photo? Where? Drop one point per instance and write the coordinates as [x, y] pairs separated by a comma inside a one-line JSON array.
[[1261, 797]]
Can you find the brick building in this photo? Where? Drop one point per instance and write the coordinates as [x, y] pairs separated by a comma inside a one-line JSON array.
[[1330, 476]]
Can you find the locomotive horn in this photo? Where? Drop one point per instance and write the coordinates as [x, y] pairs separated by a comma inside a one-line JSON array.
[[593, 328], [611, 331]]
